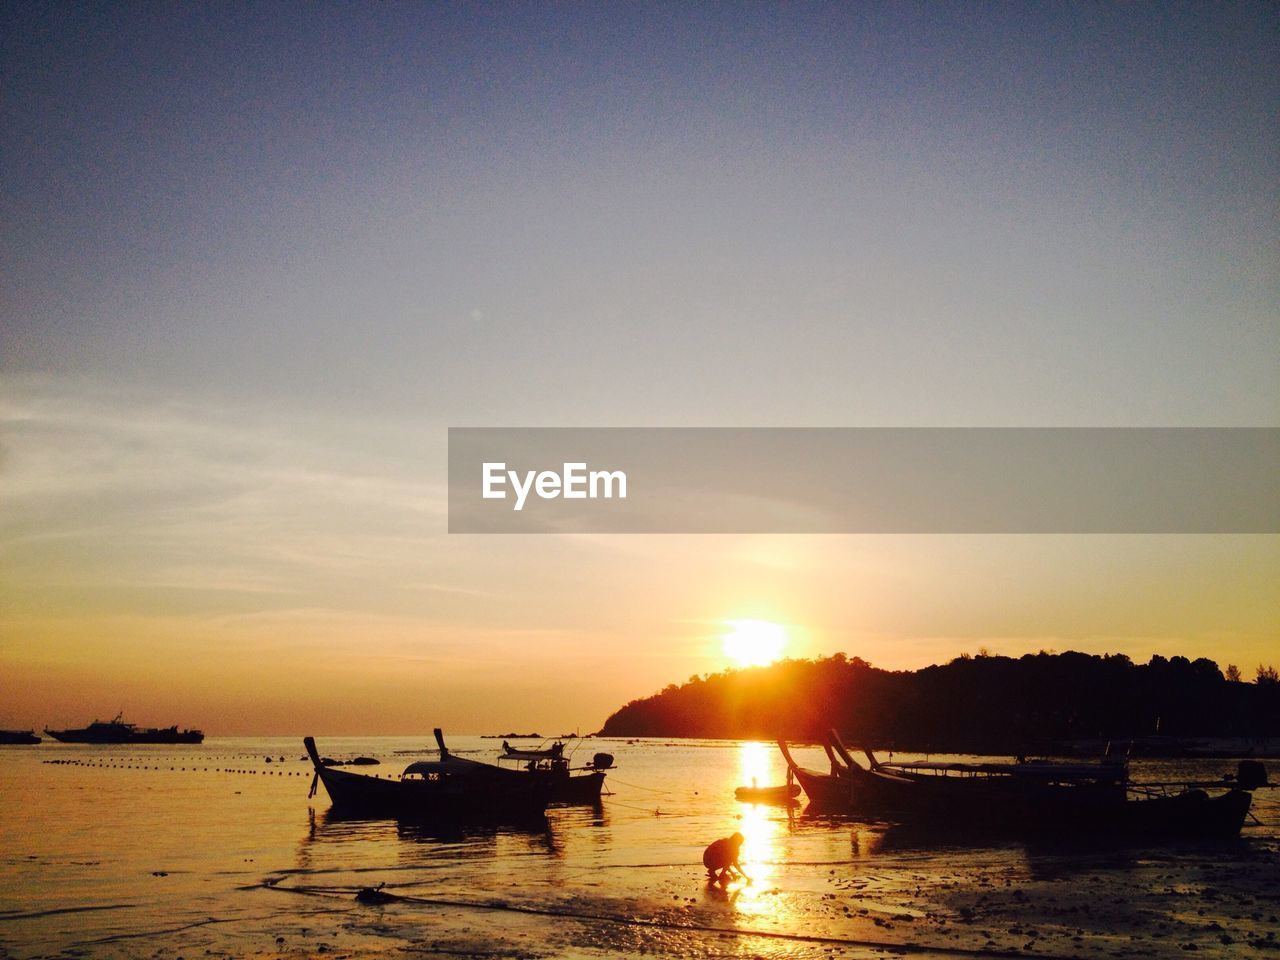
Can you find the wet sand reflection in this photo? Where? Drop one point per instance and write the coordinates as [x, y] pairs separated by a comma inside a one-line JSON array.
[[762, 827]]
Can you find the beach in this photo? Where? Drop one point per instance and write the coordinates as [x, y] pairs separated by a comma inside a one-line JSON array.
[[891, 374], [212, 851]]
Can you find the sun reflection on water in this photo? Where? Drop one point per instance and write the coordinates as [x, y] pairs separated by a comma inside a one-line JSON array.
[[762, 828]]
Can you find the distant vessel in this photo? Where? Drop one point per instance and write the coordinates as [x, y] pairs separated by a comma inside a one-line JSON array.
[[117, 731], [16, 737]]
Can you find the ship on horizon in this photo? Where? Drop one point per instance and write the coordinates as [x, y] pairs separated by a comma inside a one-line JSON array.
[[117, 731]]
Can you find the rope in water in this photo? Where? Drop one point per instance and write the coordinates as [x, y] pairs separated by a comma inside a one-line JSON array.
[[637, 786], [656, 811]]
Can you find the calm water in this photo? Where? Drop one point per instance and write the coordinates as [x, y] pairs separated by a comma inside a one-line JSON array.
[[211, 851]]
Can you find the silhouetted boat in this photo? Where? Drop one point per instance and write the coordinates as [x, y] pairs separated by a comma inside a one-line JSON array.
[[18, 737], [779, 795], [1037, 797], [826, 791], [565, 783], [117, 731], [1018, 792], [451, 787]]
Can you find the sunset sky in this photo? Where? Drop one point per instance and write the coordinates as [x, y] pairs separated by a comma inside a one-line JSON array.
[[258, 259]]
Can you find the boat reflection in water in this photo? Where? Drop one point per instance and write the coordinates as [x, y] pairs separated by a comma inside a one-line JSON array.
[[407, 853], [335, 826]]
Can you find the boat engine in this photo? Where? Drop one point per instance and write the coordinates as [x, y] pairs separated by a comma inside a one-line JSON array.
[[602, 761], [1251, 774]]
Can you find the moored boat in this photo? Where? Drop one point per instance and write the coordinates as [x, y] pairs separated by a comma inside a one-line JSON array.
[[826, 791], [565, 783], [451, 787], [779, 795], [13, 738], [986, 794], [1042, 798], [117, 731]]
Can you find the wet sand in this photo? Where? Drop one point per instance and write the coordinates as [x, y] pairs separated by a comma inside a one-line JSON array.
[[1083, 905], [1078, 905]]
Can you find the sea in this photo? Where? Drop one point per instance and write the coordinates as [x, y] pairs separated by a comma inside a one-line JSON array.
[[218, 850]]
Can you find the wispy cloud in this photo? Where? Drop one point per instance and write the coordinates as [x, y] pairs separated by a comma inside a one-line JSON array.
[[104, 486]]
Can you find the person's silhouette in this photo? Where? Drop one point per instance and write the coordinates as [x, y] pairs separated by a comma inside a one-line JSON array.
[[721, 859]]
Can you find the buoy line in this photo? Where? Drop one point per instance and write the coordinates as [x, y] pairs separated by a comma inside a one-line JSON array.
[[160, 768]]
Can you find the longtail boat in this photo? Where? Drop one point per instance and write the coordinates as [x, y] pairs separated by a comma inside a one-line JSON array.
[[1031, 797], [565, 783], [826, 791], [452, 787], [1022, 791]]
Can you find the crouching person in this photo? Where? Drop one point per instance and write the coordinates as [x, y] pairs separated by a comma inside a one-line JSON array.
[[721, 859]]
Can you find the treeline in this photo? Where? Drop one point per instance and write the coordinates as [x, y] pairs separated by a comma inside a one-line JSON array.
[[972, 704]]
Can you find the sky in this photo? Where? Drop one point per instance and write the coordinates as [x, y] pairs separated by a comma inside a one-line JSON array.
[[259, 257]]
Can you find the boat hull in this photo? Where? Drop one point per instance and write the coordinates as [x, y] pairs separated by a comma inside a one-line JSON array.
[[565, 785], [1011, 806], [981, 800], [829, 792], [469, 791], [581, 788], [14, 738], [772, 795], [1192, 813], [137, 736], [356, 793], [1020, 807]]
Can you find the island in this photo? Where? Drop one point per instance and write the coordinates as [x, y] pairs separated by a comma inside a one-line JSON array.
[[1064, 703]]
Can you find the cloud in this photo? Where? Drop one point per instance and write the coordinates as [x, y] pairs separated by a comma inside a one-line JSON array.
[[110, 487]]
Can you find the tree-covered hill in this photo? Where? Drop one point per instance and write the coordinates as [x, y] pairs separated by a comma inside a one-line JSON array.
[[981, 704]]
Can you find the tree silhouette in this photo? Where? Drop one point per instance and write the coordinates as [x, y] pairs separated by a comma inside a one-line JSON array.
[[986, 703]]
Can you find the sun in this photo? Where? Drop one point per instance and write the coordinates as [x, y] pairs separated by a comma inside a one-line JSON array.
[[753, 643]]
